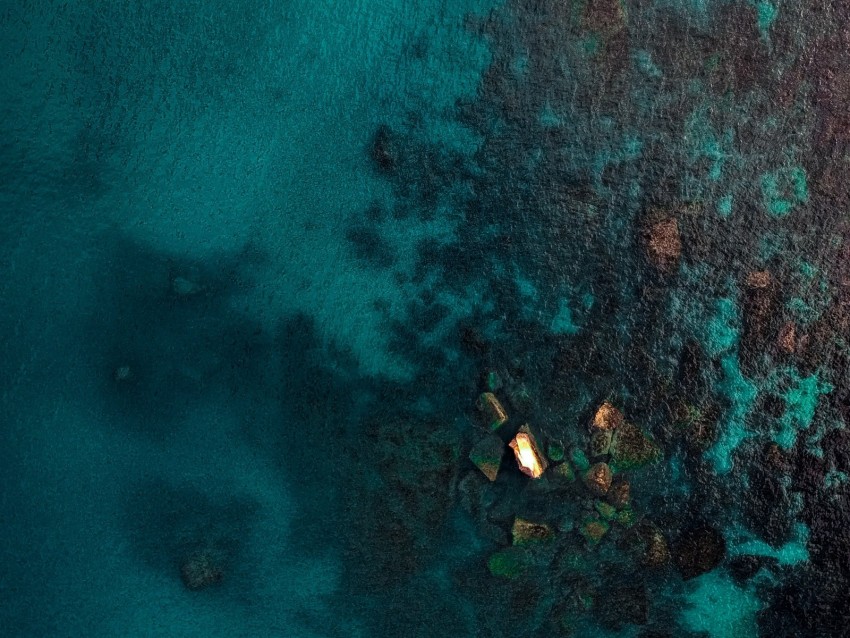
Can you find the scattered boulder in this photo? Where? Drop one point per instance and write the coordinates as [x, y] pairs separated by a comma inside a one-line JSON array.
[[631, 447], [494, 414], [664, 244], [654, 549], [600, 442], [525, 532], [619, 494], [487, 455], [598, 479], [698, 550]]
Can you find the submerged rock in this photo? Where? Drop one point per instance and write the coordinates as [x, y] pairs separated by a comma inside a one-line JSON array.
[[487, 455], [598, 479], [593, 529], [655, 551], [122, 374], [760, 301], [201, 569], [525, 531], [384, 150], [494, 414], [663, 244], [600, 442], [564, 471], [625, 605], [619, 494], [698, 550], [631, 447]]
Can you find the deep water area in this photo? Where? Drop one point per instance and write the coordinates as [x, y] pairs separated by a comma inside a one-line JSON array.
[[476, 318]]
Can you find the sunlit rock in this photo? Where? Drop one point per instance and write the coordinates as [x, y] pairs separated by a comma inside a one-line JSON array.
[[606, 418], [528, 456], [487, 455], [598, 479], [525, 531], [494, 414]]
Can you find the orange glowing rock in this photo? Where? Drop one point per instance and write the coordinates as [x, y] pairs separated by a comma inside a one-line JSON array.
[[528, 455]]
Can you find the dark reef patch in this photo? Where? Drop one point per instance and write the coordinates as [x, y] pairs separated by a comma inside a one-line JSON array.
[[166, 338]]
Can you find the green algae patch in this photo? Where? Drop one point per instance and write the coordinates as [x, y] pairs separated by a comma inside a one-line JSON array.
[[801, 400], [721, 609], [510, 563], [740, 395], [606, 510], [579, 459], [625, 517], [555, 452]]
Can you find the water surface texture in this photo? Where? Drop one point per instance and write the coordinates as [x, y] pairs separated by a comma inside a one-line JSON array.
[[284, 284]]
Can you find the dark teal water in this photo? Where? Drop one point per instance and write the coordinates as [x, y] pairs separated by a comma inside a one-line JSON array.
[[258, 259]]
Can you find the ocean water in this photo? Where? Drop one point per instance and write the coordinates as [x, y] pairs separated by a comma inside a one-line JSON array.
[[260, 261]]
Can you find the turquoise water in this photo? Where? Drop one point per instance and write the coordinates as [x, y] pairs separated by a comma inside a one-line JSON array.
[[261, 259]]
